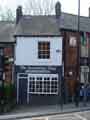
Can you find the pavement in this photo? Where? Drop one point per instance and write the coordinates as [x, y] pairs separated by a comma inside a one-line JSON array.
[[27, 111], [85, 115]]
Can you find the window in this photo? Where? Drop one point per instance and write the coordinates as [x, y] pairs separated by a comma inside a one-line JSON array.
[[43, 84], [73, 41], [43, 50]]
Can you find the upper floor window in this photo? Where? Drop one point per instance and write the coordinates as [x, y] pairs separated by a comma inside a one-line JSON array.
[[43, 50], [73, 41]]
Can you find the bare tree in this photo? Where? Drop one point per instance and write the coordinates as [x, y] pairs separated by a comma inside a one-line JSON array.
[[40, 7], [7, 15]]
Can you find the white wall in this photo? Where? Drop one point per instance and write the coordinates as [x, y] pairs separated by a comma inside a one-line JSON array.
[[27, 51]]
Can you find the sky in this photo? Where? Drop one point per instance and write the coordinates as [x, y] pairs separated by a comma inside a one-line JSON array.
[[68, 6]]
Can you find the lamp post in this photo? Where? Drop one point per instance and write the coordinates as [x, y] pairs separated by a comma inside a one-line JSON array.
[[78, 15], [78, 59], [78, 43]]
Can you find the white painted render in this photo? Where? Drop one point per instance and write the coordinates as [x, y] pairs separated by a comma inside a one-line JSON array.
[[27, 51]]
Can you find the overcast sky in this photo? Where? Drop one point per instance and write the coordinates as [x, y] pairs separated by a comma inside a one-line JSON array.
[[69, 6]]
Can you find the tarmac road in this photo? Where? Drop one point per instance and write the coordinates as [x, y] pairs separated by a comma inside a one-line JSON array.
[[70, 116]]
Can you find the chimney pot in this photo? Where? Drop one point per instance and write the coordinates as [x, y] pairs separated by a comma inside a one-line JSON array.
[[58, 9], [89, 12], [19, 14]]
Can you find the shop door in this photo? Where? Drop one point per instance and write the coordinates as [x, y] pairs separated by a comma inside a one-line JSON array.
[[22, 89]]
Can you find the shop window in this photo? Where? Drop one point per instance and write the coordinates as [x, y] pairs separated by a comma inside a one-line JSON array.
[[46, 85], [44, 50]]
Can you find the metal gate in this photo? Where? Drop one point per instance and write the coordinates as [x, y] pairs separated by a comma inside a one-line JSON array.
[[22, 79]]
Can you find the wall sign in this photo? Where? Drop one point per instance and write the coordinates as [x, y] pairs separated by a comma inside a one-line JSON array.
[[38, 69]]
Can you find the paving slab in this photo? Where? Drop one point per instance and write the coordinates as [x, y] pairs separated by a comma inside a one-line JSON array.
[[37, 111]]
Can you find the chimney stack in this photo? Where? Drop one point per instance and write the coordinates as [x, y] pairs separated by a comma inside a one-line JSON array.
[[89, 12], [58, 9], [19, 14]]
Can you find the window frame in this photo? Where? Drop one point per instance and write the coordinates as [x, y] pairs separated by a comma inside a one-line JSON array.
[[43, 86], [44, 50]]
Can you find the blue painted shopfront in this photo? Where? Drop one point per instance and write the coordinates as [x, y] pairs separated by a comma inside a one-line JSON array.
[[33, 87]]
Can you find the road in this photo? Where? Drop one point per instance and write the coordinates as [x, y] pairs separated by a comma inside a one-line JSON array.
[[71, 116]]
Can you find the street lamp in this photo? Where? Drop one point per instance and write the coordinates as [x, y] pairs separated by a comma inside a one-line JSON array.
[[78, 58], [78, 15]]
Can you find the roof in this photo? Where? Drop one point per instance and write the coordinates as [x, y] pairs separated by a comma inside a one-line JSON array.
[[48, 25], [70, 22], [6, 31], [37, 25], [41, 25]]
